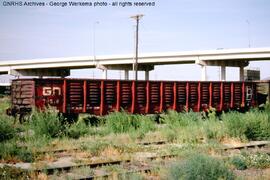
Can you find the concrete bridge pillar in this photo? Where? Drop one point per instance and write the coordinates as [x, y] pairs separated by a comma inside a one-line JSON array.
[[105, 74], [241, 73], [204, 75], [223, 73], [126, 74], [147, 75]]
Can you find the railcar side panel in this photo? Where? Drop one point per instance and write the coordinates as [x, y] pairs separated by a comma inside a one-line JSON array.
[[99, 97]]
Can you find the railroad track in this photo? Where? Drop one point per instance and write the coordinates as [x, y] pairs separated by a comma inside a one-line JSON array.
[[78, 149], [94, 165], [244, 146], [256, 144], [117, 162], [107, 175], [51, 170]]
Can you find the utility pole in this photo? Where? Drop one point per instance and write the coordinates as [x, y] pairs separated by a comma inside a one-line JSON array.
[[135, 65]]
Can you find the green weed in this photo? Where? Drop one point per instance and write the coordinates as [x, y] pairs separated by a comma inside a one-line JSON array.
[[121, 122], [257, 160], [7, 130], [47, 123], [239, 162], [253, 125], [77, 129], [200, 166], [11, 151]]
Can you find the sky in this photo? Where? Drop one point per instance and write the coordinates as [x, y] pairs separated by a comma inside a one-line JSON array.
[[169, 26]]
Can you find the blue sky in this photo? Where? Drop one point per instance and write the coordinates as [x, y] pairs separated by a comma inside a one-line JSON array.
[[172, 25]]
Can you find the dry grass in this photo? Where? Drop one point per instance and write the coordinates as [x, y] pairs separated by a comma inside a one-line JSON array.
[[110, 152], [231, 141]]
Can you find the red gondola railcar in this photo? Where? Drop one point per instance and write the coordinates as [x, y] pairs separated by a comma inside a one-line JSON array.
[[74, 96]]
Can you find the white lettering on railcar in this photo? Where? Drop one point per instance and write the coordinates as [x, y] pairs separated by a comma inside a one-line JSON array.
[[51, 91]]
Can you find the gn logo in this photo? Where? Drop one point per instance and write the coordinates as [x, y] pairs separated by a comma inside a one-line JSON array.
[[51, 91]]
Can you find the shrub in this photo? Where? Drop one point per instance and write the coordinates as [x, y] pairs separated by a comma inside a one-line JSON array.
[[247, 160], [7, 131], [239, 162], [77, 130], [257, 160], [47, 123], [200, 167], [258, 125]]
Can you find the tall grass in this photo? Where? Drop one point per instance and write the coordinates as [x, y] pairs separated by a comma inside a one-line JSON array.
[[191, 127], [46, 123], [253, 125], [121, 122], [7, 130], [175, 119], [4, 104]]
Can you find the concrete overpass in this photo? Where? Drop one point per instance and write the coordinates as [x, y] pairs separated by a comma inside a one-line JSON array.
[[61, 66]]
